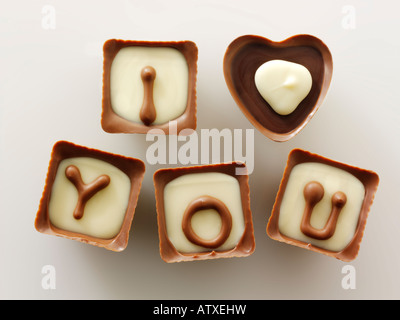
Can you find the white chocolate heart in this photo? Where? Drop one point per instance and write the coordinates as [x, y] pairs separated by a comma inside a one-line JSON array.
[[283, 84]]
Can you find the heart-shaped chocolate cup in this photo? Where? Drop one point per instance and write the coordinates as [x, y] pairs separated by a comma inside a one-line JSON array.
[[247, 53]]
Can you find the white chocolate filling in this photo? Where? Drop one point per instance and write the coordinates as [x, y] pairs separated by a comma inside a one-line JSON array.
[[332, 180], [283, 84], [206, 223], [104, 213], [170, 91]]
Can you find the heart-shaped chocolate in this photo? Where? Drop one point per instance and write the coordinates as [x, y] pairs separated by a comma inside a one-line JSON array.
[[246, 54]]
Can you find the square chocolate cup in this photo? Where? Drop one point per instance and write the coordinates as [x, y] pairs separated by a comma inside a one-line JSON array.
[[246, 244], [133, 168], [368, 178], [111, 122]]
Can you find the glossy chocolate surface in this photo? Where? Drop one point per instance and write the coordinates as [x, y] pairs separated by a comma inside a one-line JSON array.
[[85, 191], [313, 193], [247, 53], [113, 123], [202, 203], [368, 178], [133, 168], [244, 247]]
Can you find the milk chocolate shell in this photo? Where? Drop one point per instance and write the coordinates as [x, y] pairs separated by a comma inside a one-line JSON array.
[[247, 53], [338, 194], [233, 212], [132, 172], [114, 122]]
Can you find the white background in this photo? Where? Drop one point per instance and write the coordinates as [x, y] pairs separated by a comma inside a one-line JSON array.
[[50, 90]]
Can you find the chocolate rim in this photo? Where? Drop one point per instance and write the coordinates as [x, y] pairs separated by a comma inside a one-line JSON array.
[[201, 203], [113, 123], [369, 179], [239, 44], [246, 244], [135, 170]]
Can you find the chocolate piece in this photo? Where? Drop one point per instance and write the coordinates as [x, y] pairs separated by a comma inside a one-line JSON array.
[[201, 203], [126, 107], [243, 58], [90, 196], [183, 193], [283, 84], [322, 205], [313, 193], [148, 111], [85, 191]]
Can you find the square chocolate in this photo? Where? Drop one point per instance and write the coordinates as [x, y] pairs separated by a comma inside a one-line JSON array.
[[147, 84], [203, 212], [90, 196], [322, 205]]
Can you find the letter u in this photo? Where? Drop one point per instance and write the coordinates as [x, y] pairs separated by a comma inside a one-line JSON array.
[[313, 193]]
